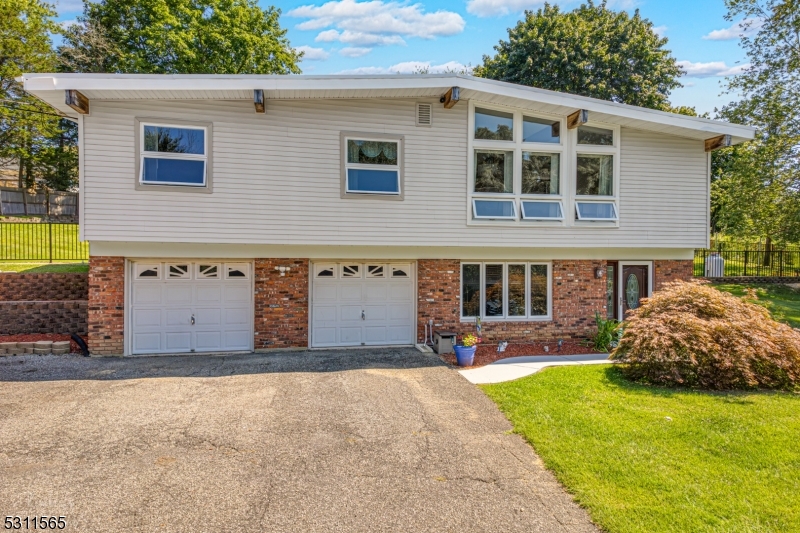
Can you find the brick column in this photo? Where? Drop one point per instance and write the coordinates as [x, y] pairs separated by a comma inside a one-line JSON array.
[[281, 304], [106, 316], [672, 270], [438, 289]]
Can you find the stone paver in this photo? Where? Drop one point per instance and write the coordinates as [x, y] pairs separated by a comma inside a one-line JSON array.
[[358, 440], [519, 367]]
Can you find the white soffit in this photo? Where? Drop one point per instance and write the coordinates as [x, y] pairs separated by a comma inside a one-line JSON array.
[[50, 88]]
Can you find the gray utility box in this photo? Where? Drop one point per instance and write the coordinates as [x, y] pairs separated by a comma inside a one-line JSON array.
[[443, 341]]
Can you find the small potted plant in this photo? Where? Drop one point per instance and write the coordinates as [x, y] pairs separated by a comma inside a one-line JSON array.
[[465, 351]]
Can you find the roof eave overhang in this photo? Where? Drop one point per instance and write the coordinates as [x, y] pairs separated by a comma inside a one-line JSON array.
[[51, 87]]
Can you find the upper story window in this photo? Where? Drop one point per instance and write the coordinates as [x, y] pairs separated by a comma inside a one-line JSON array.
[[372, 165], [596, 169], [516, 166], [173, 155], [494, 125]]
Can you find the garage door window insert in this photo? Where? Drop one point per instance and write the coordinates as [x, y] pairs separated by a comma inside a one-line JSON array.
[[372, 166], [173, 155]]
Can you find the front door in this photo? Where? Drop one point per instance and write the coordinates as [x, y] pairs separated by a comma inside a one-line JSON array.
[[633, 288]]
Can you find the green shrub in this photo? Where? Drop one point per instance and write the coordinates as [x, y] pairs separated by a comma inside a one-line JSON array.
[[607, 336], [694, 335]]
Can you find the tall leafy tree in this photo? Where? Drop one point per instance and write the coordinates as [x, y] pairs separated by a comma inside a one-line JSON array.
[[591, 51], [31, 136], [179, 36], [756, 188]]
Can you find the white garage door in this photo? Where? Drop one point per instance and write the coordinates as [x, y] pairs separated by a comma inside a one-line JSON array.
[[362, 304], [190, 307]]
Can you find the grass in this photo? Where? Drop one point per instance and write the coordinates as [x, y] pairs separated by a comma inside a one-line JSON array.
[[32, 241], [783, 302], [33, 268], [651, 460]]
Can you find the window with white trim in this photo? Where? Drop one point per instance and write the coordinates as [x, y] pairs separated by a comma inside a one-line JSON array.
[[173, 155], [506, 291], [596, 170], [516, 166], [372, 166]]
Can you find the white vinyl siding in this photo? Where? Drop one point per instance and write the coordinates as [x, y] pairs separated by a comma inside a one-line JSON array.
[[277, 181]]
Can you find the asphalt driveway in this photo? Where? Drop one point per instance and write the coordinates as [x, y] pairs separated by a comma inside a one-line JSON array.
[[361, 440]]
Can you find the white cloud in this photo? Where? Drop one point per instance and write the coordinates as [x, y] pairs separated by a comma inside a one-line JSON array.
[[358, 38], [410, 67], [710, 70], [376, 22], [355, 51], [67, 23], [498, 8], [69, 6], [660, 30], [313, 54], [746, 27]]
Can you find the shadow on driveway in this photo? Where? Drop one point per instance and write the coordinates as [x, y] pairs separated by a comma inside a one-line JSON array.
[[72, 367]]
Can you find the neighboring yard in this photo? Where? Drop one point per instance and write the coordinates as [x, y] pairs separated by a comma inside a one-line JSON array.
[[650, 460], [32, 241], [33, 268], [782, 301]]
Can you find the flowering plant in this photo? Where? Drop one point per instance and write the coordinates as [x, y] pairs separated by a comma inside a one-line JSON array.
[[470, 340]]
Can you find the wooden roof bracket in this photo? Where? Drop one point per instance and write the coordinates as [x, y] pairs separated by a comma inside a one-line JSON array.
[[450, 98], [715, 143], [258, 101], [578, 118], [77, 101]]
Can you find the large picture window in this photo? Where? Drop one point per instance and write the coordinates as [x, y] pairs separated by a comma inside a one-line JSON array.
[[173, 155], [505, 291], [517, 157]]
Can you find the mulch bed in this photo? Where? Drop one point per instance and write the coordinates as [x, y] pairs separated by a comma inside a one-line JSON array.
[[33, 337], [487, 353]]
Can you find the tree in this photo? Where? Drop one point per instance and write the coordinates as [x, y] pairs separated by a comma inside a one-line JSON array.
[[756, 186], [29, 130], [591, 51], [178, 36]]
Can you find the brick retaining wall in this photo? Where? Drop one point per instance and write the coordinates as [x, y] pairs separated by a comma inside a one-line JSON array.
[[43, 303]]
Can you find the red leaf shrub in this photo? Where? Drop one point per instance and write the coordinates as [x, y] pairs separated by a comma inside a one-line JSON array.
[[693, 335]]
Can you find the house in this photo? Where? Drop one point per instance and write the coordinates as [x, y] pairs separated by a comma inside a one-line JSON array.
[[258, 212]]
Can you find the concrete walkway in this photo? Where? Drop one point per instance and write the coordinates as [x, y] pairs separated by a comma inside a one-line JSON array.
[[519, 367]]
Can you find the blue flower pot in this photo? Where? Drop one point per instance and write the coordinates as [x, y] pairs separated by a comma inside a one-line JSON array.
[[465, 355]]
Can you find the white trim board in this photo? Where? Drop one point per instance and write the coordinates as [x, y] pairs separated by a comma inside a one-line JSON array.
[[143, 250]]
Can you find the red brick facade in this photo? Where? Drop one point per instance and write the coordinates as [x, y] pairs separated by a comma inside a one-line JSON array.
[[676, 270], [576, 296], [106, 305], [281, 304]]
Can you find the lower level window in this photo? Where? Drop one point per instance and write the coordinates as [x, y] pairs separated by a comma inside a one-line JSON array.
[[505, 291]]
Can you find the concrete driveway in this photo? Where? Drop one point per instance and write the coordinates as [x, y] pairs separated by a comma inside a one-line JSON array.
[[360, 440]]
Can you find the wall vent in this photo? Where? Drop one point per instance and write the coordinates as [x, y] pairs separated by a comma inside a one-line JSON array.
[[424, 112]]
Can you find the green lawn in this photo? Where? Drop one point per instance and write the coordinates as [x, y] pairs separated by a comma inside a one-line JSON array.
[[34, 241], [650, 460], [782, 301], [32, 268]]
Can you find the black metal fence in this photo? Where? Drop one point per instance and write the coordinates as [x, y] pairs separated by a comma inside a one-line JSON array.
[[42, 241], [747, 263]]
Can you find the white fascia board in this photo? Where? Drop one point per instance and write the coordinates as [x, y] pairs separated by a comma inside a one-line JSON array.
[[202, 82]]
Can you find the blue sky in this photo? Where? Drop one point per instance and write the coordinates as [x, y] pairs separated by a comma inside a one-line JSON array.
[[394, 36]]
